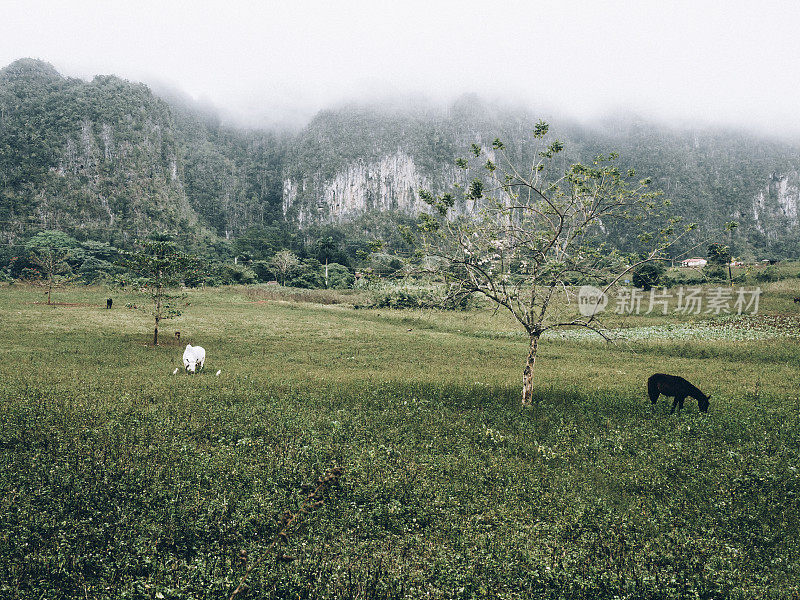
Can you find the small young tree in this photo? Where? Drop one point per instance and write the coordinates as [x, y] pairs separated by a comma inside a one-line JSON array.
[[50, 251], [160, 268], [284, 263], [54, 270], [719, 255], [537, 233]]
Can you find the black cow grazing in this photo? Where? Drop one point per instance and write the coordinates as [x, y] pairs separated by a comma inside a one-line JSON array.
[[678, 387], [109, 302]]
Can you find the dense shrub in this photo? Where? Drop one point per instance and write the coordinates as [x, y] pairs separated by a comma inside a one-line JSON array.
[[200, 275], [770, 273], [676, 277], [95, 270], [308, 274], [715, 273], [229, 274], [648, 275], [339, 276], [385, 264], [263, 270], [417, 296], [740, 279]]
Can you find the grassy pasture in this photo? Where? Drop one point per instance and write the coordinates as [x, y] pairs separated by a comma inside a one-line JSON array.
[[120, 480]]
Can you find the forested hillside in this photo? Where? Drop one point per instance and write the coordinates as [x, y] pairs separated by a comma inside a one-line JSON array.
[[98, 158], [714, 176], [711, 176], [232, 177], [110, 161]]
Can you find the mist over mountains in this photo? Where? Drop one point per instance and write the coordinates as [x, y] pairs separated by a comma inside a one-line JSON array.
[[110, 160]]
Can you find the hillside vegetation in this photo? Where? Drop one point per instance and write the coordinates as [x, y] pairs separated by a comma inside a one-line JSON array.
[[109, 161], [97, 158]]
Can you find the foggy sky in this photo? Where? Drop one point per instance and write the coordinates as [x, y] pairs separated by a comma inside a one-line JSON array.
[[725, 62]]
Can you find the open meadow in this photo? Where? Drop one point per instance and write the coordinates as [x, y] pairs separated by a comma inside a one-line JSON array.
[[119, 479]]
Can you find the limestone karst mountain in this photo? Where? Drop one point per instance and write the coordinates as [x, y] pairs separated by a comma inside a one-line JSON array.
[[110, 160]]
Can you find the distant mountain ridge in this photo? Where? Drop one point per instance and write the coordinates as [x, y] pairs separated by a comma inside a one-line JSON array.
[[99, 157], [712, 176], [111, 161]]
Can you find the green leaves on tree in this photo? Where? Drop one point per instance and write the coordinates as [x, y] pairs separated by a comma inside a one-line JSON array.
[[475, 190], [160, 267]]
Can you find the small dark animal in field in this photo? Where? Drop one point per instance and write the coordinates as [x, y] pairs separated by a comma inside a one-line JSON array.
[[678, 387], [177, 335], [797, 299], [109, 302]]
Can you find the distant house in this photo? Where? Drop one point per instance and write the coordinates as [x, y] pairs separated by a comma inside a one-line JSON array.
[[694, 262]]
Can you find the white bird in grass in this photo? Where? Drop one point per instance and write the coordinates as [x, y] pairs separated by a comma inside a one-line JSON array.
[[175, 371], [218, 372]]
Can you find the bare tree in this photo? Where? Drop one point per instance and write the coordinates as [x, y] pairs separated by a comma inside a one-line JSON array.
[[539, 232], [284, 262]]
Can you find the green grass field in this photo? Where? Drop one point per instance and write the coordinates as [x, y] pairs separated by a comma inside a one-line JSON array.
[[120, 480]]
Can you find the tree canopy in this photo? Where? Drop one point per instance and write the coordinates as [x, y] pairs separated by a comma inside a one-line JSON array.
[[160, 267], [540, 230]]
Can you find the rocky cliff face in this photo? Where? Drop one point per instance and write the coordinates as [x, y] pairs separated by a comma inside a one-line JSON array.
[[390, 184], [355, 161], [124, 171], [778, 200], [108, 160], [774, 210]]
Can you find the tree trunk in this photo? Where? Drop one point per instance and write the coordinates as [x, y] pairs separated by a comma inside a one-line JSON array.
[[527, 374], [157, 311]]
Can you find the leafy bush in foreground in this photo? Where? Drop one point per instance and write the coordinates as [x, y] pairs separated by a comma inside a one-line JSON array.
[[448, 493]]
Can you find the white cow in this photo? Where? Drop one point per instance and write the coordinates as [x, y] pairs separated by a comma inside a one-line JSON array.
[[194, 357]]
